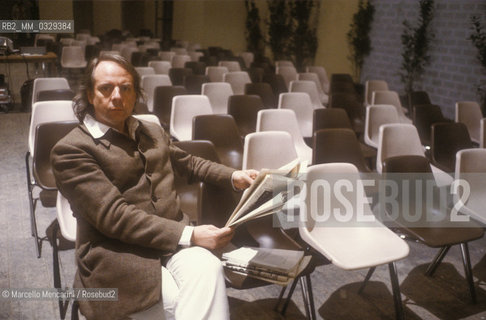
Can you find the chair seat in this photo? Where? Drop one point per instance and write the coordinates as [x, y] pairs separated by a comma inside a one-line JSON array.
[[48, 198]]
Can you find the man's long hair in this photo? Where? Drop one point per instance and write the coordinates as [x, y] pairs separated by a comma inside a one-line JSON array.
[[81, 105]]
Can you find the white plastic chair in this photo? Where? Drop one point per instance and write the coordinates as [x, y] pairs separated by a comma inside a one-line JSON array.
[[308, 87], [66, 41], [377, 115], [289, 73], [184, 108], [471, 168], [284, 120], [149, 82], [372, 86], [167, 55], [179, 60], [284, 63], [231, 65], [391, 98], [195, 55], [160, 67], [73, 57], [237, 79], [142, 71], [216, 74], [350, 243], [218, 94], [311, 76], [469, 113], [322, 74], [127, 52], [179, 51], [41, 84], [248, 58], [148, 117], [301, 104]]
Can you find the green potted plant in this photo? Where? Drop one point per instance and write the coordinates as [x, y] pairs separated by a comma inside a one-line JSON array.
[[254, 37], [279, 29], [478, 38], [304, 39]]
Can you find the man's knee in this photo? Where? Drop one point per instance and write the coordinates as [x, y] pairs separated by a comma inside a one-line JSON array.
[[205, 260]]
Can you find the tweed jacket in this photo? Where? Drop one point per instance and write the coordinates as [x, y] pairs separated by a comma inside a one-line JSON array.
[[128, 215]]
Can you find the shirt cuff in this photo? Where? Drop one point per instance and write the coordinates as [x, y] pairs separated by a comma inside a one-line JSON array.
[[232, 184], [186, 236]]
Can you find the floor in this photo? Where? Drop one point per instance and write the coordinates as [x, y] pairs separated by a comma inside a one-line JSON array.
[[444, 296]]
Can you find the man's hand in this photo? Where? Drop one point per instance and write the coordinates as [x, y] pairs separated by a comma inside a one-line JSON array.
[[211, 237], [242, 179]]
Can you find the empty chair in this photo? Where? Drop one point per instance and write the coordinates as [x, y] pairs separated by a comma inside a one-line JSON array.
[[218, 94], [288, 73], [471, 167], [372, 86], [163, 102], [349, 102], [284, 63], [144, 70], [310, 76], [55, 94], [377, 115], [222, 131], [179, 51], [195, 55], [284, 120], [322, 74], [232, 66], [194, 82], [424, 216], [197, 67], [308, 87], [177, 75], [357, 241], [248, 58], [244, 109], [215, 73], [424, 116], [66, 41], [41, 84], [73, 57], [238, 80], [447, 139], [418, 98], [469, 113], [391, 98], [160, 67], [301, 104], [149, 83], [256, 74], [184, 109], [330, 118], [179, 61], [264, 90], [127, 52], [167, 55]]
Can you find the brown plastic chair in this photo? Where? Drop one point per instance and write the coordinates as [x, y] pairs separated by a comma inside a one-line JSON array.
[[244, 109], [277, 83], [417, 98], [177, 75], [197, 67], [423, 117], [338, 145], [349, 102], [222, 131], [264, 90], [431, 223], [447, 139], [194, 82], [56, 94], [163, 102]]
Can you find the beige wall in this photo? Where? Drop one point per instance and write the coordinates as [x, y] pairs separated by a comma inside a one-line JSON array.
[[106, 16], [55, 10]]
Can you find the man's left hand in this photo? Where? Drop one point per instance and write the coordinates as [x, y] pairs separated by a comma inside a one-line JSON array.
[[242, 179]]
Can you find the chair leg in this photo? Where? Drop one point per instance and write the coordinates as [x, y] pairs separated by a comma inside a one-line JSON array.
[[396, 291], [289, 296], [280, 296], [467, 270], [32, 207], [368, 276], [57, 272], [308, 297], [74, 310], [437, 260]]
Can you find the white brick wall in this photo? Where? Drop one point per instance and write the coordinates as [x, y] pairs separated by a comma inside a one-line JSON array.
[[454, 71]]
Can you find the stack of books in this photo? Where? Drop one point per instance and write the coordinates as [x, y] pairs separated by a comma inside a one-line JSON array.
[[273, 265]]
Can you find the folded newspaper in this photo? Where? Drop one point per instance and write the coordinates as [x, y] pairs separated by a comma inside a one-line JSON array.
[[274, 265], [266, 195]]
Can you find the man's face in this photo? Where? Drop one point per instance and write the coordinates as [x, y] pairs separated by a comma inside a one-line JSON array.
[[113, 95]]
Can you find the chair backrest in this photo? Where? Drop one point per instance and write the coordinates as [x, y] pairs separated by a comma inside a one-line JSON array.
[[338, 145], [418, 98], [372, 86], [301, 104], [55, 94], [377, 115], [177, 75], [144, 70], [167, 55], [424, 115], [47, 134], [471, 167], [469, 113], [179, 61], [284, 120], [397, 139], [194, 82], [284, 63], [322, 74], [330, 118], [231, 65], [128, 51], [152, 118], [197, 67], [41, 84], [149, 83], [48, 111], [289, 73], [244, 109], [277, 82], [222, 131], [268, 149], [248, 58], [195, 55], [347, 101], [67, 222], [215, 73], [312, 76], [218, 94], [163, 102], [264, 90], [447, 139], [160, 67], [308, 87], [184, 109], [238, 80], [391, 98]]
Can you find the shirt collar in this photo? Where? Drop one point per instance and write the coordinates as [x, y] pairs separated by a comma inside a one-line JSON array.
[[97, 129]]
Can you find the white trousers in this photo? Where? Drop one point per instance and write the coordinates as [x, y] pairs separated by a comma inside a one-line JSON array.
[[193, 287]]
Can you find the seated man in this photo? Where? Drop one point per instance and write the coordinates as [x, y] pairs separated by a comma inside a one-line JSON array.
[[118, 175]]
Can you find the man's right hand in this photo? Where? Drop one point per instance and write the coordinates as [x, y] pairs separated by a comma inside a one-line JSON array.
[[211, 237]]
